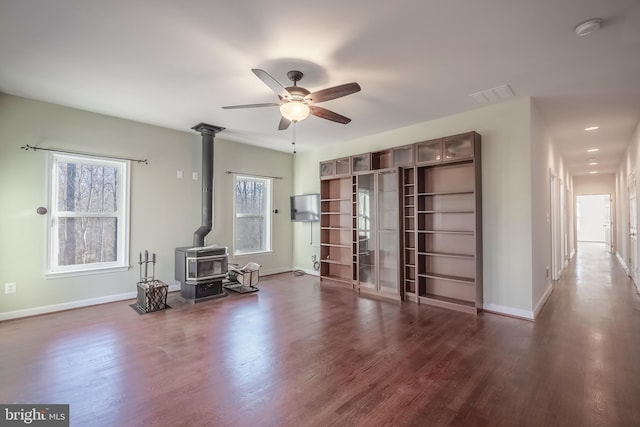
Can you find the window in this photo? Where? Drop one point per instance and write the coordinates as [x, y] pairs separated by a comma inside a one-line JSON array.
[[252, 206], [89, 214]]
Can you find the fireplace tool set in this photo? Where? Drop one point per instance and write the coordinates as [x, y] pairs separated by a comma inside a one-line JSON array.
[[152, 293]]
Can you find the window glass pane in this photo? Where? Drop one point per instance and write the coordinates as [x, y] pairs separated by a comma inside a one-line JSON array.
[[87, 188], [87, 240], [250, 234], [252, 210], [250, 195]]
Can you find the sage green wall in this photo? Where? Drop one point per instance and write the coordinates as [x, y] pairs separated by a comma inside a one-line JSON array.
[[165, 211], [545, 161], [506, 190]]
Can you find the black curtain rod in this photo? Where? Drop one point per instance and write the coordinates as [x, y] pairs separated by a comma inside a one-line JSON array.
[[30, 147]]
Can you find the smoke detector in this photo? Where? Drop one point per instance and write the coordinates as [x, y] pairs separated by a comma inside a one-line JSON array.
[[588, 27]]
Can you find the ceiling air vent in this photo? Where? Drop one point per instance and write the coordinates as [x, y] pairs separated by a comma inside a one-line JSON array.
[[498, 93]]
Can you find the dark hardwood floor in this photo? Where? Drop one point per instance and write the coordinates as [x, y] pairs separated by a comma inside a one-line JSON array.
[[300, 354]]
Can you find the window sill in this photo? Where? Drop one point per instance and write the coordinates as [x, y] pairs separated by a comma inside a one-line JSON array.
[[74, 273]]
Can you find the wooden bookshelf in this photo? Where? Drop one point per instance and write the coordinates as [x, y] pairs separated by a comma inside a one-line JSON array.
[[449, 224], [406, 222], [336, 230], [409, 239]]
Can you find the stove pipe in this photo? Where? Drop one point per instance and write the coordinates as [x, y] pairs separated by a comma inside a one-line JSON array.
[[208, 132]]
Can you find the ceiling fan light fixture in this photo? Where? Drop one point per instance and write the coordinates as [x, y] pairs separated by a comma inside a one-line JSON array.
[[294, 111]]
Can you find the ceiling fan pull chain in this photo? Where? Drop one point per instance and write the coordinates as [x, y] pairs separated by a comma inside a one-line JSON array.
[[293, 132]]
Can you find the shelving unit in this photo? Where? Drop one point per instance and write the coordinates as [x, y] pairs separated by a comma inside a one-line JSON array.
[[409, 234], [406, 222], [448, 218], [336, 230]]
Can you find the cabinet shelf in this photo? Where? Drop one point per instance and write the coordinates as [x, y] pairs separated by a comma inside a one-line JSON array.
[[448, 255], [341, 199], [335, 261], [445, 193], [468, 233], [336, 228], [445, 211], [457, 279], [336, 245], [335, 278], [450, 303]]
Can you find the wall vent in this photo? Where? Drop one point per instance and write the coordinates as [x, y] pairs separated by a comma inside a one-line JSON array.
[[496, 94]]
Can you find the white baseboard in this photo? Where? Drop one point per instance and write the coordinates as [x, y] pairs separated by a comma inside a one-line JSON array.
[[543, 300], [34, 311], [516, 312], [509, 311], [622, 263], [275, 271], [308, 271]]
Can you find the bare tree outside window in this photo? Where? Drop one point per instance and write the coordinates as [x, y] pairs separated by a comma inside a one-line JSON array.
[[252, 214]]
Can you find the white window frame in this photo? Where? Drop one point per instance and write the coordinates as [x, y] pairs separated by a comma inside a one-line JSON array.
[[268, 238], [122, 215]]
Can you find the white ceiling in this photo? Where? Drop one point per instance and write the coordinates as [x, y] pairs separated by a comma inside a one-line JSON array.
[[175, 63]]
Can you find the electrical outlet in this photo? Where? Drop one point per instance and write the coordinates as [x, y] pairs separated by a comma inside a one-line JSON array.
[[10, 288], [194, 176]]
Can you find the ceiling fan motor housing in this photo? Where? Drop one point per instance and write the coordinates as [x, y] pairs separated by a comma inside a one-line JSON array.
[[295, 76], [297, 92]]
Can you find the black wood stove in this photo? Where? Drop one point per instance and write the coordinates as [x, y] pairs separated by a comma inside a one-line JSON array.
[[201, 271]]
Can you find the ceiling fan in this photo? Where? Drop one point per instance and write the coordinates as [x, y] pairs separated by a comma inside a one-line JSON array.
[[296, 102]]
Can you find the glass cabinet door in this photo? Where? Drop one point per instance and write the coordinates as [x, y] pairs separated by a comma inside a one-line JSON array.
[[403, 156], [458, 147], [327, 168], [388, 231], [361, 162], [429, 151], [366, 230], [343, 166]]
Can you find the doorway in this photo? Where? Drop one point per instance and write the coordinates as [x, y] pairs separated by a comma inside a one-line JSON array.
[[593, 220]]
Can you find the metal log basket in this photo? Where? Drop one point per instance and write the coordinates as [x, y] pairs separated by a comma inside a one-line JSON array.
[[152, 293]]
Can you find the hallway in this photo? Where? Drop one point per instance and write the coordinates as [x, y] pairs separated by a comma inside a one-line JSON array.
[[590, 328]]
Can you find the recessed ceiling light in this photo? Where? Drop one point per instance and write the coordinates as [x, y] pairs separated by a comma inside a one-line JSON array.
[[592, 128], [588, 27], [592, 172], [593, 163], [593, 150]]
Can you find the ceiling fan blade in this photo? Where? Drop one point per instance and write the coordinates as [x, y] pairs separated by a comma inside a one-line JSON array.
[[284, 123], [333, 92], [269, 104], [272, 83], [328, 114]]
